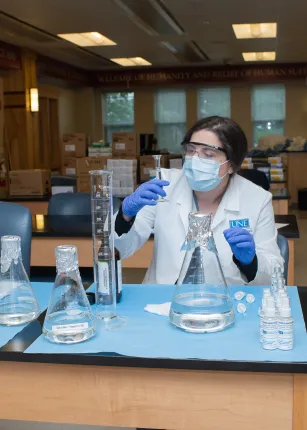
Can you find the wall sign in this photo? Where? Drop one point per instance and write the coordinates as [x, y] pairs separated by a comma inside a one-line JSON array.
[[10, 57], [200, 75], [56, 69]]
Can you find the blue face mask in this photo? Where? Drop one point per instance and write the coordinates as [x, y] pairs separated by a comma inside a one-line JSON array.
[[202, 174]]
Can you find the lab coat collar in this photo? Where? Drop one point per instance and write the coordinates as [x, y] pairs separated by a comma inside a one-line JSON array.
[[183, 195], [230, 202], [184, 199]]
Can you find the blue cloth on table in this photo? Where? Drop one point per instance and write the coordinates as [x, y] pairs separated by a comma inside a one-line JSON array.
[[149, 335], [42, 292]]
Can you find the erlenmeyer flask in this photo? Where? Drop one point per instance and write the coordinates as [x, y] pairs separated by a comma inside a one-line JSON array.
[[18, 304], [201, 303], [69, 318]]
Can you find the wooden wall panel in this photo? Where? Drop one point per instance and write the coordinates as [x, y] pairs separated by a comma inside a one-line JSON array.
[[15, 125]]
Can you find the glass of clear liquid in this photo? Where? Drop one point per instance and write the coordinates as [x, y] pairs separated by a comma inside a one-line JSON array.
[[157, 159]]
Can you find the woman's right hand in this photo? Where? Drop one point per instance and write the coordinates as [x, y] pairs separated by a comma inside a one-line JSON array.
[[146, 194]]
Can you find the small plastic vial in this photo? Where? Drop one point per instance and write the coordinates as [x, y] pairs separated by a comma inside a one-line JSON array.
[[266, 293], [269, 325], [276, 276], [280, 296], [285, 326]]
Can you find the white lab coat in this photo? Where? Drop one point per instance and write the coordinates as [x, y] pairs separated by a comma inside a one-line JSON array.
[[169, 223]]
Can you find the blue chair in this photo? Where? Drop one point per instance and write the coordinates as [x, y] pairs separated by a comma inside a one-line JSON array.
[[70, 204], [16, 220], [284, 251], [74, 204]]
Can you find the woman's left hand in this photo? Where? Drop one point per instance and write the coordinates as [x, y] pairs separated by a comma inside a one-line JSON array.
[[241, 243]]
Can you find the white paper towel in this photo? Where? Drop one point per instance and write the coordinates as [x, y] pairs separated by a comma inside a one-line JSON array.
[[163, 309]]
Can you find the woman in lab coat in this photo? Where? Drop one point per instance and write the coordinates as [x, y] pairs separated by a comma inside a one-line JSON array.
[[243, 220]]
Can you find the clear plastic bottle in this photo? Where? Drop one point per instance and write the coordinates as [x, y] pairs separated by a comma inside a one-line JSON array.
[[277, 277], [285, 326], [269, 325], [69, 318], [266, 294], [18, 304]]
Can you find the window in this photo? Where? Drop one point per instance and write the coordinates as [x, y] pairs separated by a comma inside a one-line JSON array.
[[170, 119], [268, 110], [118, 113], [213, 101]]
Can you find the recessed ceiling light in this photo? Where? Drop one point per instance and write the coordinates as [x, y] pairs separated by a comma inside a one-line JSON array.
[[259, 56], [87, 39], [255, 31], [133, 61]]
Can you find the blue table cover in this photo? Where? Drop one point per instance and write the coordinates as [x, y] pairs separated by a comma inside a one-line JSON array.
[[149, 335], [42, 291]]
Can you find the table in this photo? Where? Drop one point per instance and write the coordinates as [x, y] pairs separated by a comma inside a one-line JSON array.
[[35, 204], [280, 201], [146, 392], [49, 232]]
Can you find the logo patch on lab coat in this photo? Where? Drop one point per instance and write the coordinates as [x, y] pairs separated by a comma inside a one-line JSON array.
[[240, 223]]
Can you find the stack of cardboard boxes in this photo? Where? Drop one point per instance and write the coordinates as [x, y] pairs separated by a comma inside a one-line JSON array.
[[74, 146], [30, 182], [84, 166], [124, 176]]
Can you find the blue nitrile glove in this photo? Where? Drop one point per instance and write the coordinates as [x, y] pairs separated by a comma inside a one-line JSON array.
[[241, 243], [146, 194]]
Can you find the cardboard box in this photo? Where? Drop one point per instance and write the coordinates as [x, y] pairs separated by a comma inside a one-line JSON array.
[[84, 165], [30, 182], [83, 184], [147, 163], [126, 143], [74, 145], [69, 167]]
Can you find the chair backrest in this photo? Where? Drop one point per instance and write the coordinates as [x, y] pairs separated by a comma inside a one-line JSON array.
[[284, 251], [70, 204], [16, 220], [257, 177], [74, 204]]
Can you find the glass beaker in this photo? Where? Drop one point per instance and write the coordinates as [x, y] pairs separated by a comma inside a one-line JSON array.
[[18, 304], [69, 318], [201, 302], [157, 159], [103, 249]]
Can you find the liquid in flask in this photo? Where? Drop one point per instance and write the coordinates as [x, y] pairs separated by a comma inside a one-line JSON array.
[[201, 302], [18, 304], [69, 318]]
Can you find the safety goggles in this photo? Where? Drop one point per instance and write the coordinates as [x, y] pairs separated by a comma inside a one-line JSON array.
[[203, 150]]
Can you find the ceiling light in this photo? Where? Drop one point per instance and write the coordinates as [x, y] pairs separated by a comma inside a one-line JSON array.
[[259, 56], [133, 61], [255, 31], [87, 39]]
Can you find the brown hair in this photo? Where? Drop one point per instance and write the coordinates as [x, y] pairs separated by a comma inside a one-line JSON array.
[[230, 135]]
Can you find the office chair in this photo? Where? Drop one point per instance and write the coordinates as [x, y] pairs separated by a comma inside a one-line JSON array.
[[284, 251], [16, 220], [74, 204], [257, 177]]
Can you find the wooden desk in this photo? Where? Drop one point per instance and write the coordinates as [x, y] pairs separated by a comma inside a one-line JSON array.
[[36, 205], [45, 240], [152, 398], [280, 201], [161, 393]]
